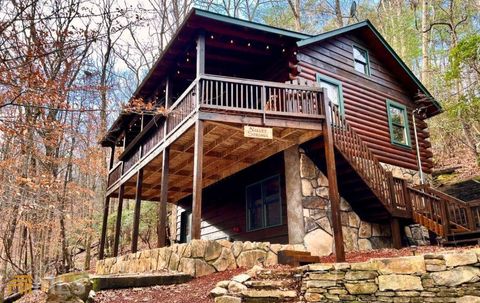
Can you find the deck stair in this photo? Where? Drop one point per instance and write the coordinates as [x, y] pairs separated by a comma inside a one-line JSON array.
[[376, 195], [296, 258], [272, 285]]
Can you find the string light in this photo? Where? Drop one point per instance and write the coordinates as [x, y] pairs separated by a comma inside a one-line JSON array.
[[231, 41], [178, 72], [211, 37], [295, 53], [268, 47], [188, 59], [248, 44], [283, 50]]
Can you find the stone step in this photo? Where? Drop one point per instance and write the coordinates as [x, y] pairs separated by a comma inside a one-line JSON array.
[[253, 295], [271, 284], [275, 274], [138, 280]]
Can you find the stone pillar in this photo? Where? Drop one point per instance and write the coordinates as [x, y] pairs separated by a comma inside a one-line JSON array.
[[293, 188]]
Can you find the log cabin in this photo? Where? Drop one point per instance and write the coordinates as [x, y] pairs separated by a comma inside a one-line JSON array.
[[266, 134]]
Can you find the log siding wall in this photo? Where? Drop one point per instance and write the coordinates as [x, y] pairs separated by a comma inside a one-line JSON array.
[[224, 206], [365, 97]]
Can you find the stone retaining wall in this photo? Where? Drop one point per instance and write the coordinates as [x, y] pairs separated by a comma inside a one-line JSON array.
[[197, 258], [442, 277]]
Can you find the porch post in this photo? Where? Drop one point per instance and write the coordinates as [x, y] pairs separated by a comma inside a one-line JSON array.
[[197, 180], [396, 234], [112, 157], [200, 54], [293, 188], [332, 181], [118, 226], [162, 210], [103, 237], [167, 92], [136, 214]]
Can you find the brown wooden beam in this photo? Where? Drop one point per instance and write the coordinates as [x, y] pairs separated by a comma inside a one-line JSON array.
[[396, 233], [118, 225], [200, 54], [162, 207], [136, 214], [197, 180], [332, 182], [103, 237]]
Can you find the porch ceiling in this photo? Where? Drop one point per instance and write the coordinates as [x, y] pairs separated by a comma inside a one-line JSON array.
[[226, 151]]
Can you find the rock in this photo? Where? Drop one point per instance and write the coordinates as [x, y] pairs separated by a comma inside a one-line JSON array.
[[364, 244], [202, 268], [225, 261], [329, 276], [225, 243], [322, 192], [361, 275], [269, 294], [322, 180], [228, 299], [91, 296], [456, 276], [81, 288], [307, 188], [320, 284], [399, 282], [223, 284], [241, 278], [365, 230], [320, 267], [212, 250], [316, 206], [353, 219], [350, 238], [163, 258], [361, 288], [381, 242], [248, 259], [324, 223], [309, 224], [402, 265], [235, 287], [198, 248], [319, 243], [59, 291], [187, 265], [369, 265], [313, 297], [307, 168], [272, 259], [458, 259], [173, 262], [468, 299], [218, 291], [344, 205], [237, 248], [435, 265]]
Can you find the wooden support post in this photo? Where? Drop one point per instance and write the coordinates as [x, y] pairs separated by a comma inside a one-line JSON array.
[[200, 54], [396, 233], [103, 237], [332, 181], [391, 190], [136, 213], [293, 188], [167, 92], [112, 157], [162, 210], [197, 180], [118, 225], [445, 218]]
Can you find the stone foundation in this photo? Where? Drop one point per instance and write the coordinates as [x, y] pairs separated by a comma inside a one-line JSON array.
[[197, 258], [357, 234], [443, 277], [436, 277]]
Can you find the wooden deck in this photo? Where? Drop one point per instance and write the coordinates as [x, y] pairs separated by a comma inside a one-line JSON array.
[[225, 105]]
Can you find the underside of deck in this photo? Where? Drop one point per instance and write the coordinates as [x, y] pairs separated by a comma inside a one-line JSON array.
[[226, 151]]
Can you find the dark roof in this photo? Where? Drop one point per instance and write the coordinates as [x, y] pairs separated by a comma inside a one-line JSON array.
[[369, 26], [190, 26]]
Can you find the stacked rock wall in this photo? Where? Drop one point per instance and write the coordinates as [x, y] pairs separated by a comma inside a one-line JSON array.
[[197, 258], [358, 234], [449, 277]]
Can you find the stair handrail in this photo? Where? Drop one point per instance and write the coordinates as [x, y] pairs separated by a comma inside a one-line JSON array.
[[359, 155]]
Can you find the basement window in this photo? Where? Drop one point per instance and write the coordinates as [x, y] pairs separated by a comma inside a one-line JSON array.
[[360, 60], [264, 205], [398, 124]]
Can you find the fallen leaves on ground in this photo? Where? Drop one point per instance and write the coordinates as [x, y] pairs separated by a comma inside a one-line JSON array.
[[195, 291]]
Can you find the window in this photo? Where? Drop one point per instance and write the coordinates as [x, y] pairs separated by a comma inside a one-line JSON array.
[[398, 123], [264, 205], [360, 60], [334, 90]]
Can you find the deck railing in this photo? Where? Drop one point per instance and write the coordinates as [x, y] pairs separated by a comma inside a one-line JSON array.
[[223, 94], [259, 97], [115, 173]]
